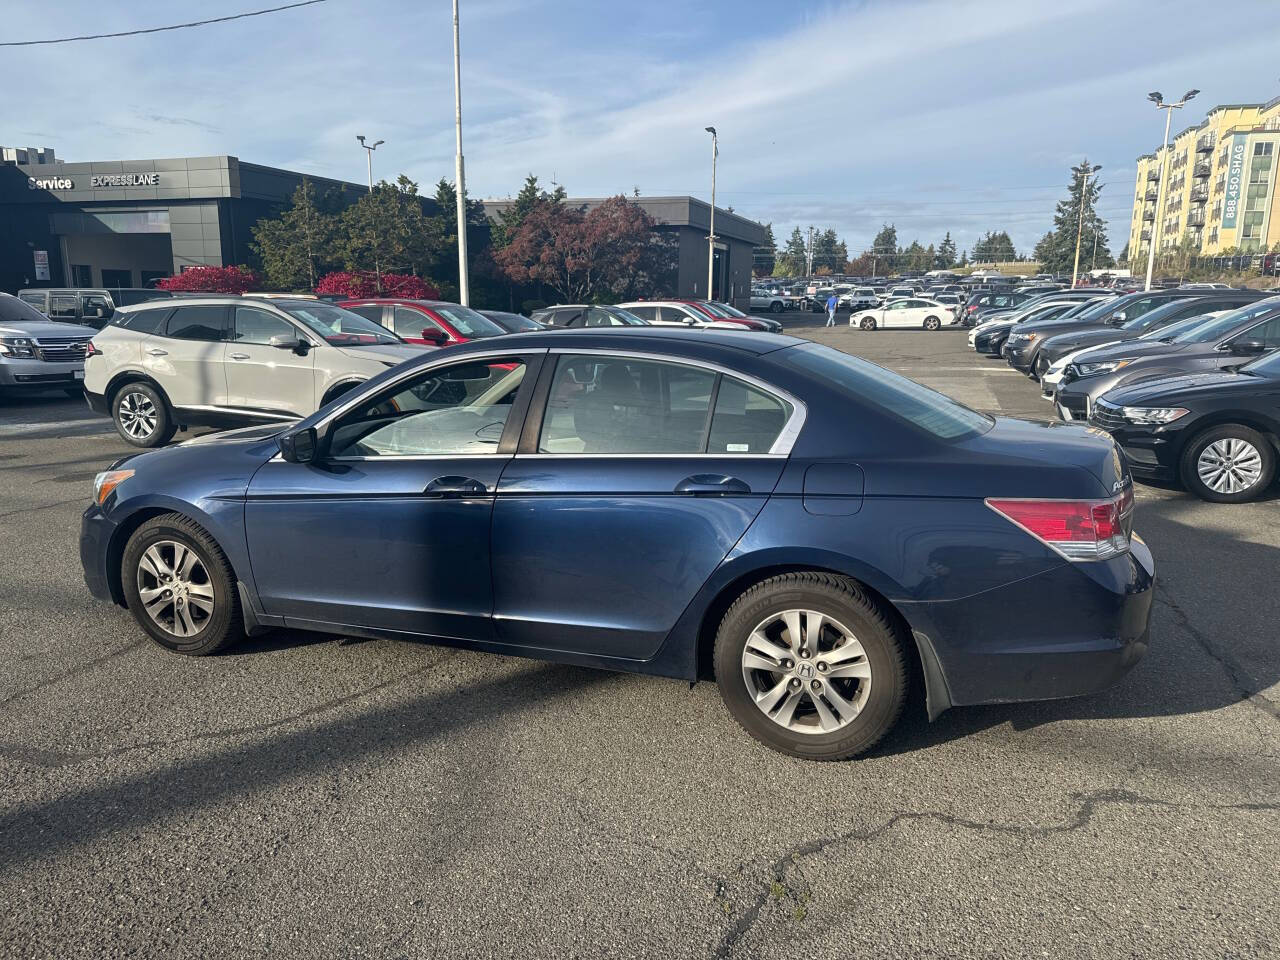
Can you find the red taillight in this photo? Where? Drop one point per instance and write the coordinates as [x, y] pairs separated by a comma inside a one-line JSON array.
[[1077, 529], [91, 351]]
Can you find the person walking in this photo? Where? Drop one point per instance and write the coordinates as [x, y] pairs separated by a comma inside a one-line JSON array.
[[832, 303]]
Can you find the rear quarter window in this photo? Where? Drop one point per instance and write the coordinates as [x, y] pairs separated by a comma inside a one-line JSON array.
[[926, 409], [142, 321]]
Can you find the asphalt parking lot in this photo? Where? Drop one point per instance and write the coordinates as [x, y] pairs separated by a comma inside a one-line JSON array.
[[306, 795]]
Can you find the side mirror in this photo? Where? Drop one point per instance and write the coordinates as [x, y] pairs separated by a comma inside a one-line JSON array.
[[690, 321], [1248, 348], [435, 335], [299, 446], [295, 344], [1116, 318]]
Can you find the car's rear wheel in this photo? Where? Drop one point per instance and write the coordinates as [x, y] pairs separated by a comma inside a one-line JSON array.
[[868, 323], [808, 664], [775, 307], [1230, 463], [932, 323], [179, 586], [142, 416]]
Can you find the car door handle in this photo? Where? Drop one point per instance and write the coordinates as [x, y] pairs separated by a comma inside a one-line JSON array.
[[711, 485], [238, 356], [442, 487], [157, 352]]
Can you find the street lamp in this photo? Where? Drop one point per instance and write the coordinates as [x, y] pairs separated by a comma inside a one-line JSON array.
[[1084, 198], [369, 153], [711, 239], [464, 285], [377, 263], [1158, 99]]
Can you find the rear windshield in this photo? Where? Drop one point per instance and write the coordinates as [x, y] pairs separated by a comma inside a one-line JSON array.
[[927, 409], [1223, 325], [467, 322]]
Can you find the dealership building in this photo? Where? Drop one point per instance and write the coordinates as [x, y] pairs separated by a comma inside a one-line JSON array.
[[121, 223]]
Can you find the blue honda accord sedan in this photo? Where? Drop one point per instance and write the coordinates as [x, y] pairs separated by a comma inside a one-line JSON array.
[[813, 530]]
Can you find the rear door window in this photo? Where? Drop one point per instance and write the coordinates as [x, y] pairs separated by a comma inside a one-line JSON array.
[[255, 325], [747, 419], [37, 300], [370, 311], [205, 322], [63, 306], [409, 323], [94, 306]]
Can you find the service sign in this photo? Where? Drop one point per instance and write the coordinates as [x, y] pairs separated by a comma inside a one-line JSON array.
[[1235, 181], [50, 183]]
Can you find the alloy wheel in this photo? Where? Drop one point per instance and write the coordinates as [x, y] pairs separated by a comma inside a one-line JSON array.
[[1229, 465], [138, 415], [175, 589], [806, 672]]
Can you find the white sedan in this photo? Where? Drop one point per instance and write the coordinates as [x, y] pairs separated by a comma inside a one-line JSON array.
[[916, 312]]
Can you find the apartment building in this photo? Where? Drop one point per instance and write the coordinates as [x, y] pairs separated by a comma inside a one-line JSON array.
[[1220, 188]]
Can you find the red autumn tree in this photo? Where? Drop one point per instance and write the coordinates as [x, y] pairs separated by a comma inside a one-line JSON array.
[[212, 280], [579, 255], [364, 283]]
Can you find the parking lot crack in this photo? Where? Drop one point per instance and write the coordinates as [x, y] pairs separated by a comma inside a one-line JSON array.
[[1235, 671], [779, 870], [68, 674]]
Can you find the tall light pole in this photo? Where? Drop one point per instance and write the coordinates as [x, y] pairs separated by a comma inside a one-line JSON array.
[[711, 238], [464, 286], [368, 150], [1084, 198], [1158, 99]]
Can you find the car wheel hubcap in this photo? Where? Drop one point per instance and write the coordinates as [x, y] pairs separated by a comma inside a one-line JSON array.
[[806, 672], [174, 588], [1230, 465], [138, 415]]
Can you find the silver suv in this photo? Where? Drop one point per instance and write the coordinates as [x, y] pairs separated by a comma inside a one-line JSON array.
[[37, 353], [229, 361]]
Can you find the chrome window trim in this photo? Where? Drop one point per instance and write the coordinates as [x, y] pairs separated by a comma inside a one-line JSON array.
[[782, 444]]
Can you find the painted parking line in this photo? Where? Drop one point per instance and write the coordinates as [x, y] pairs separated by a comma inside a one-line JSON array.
[[72, 428]]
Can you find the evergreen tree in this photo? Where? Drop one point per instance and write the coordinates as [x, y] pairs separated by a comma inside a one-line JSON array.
[[946, 258], [530, 195], [885, 243], [793, 260], [829, 251], [298, 247], [994, 248], [1057, 249]]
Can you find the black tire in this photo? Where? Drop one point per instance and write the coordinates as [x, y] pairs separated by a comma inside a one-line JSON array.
[[932, 323], [135, 398], [838, 598], [224, 625], [775, 307], [1040, 367], [868, 323], [337, 391], [1188, 465]]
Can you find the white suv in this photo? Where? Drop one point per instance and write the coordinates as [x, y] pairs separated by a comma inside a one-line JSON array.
[[229, 361]]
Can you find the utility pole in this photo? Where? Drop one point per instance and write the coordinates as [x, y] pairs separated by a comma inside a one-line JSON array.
[[1086, 172], [808, 255], [464, 286], [711, 239], [368, 150], [1156, 98]]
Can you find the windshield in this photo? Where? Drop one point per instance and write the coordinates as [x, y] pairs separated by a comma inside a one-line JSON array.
[[11, 309], [342, 328], [467, 322], [727, 310], [1157, 316], [917, 404], [1268, 365], [1174, 330], [1220, 326]]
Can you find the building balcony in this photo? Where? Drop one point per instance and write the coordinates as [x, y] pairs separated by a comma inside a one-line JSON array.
[[1200, 193], [1151, 196], [1153, 174], [1145, 235], [1201, 170], [1149, 214], [1196, 218], [1205, 144]]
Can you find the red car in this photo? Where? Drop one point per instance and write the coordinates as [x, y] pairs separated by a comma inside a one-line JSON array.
[[436, 323], [717, 311]]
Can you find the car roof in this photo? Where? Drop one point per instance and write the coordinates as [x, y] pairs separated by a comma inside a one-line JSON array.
[[679, 341], [411, 301]]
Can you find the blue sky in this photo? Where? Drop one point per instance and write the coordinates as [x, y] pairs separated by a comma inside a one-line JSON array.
[[960, 116]]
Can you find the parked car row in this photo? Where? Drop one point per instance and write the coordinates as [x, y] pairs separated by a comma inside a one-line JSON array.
[[1186, 379]]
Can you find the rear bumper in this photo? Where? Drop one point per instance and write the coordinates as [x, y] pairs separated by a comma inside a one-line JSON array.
[[97, 403], [96, 532], [1071, 631]]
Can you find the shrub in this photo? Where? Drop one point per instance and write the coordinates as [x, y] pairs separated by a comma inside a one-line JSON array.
[[363, 283], [212, 280]]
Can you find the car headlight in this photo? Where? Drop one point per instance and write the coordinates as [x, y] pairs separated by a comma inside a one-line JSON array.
[[16, 347], [107, 481], [1153, 414], [1102, 366]]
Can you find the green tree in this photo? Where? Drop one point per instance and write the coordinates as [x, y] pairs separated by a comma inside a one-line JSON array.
[[442, 228], [298, 246], [994, 248], [764, 256], [530, 196], [1057, 249], [793, 260], [946, 257], [885, 243], [387, 230], [829, 251]]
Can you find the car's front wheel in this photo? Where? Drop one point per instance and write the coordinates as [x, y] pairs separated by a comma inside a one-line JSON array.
[[1041, 367], [868, 323], [808, 664], [1230, 463], [179, 586], [775, 307], [932, 323], [142, 416]]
